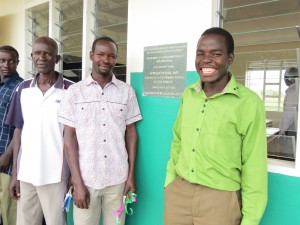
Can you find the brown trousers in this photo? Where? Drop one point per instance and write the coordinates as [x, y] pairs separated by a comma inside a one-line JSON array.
[[193, 204]]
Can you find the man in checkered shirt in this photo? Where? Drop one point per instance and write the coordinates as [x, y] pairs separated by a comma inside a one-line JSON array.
[[10, 79]]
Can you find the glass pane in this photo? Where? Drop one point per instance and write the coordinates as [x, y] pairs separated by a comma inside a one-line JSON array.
[[271, 104], [37, 25], [111, 20], [281, 147], [255, 81], [70, 37], [273, 76], [254, 9]]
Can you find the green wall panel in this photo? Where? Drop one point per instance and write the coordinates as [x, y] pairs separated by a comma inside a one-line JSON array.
[[283, 206]]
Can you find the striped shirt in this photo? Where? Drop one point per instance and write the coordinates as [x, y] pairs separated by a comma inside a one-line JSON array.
[[7, 89]]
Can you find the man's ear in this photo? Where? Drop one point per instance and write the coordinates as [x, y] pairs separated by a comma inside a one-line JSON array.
[[231, 58], [91, 55], [57, 58]]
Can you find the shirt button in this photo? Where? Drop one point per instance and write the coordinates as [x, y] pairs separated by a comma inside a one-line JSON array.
[[206, 100], [105, 156], [104, 140], [192, 170], [197, 129], [103, 108], [202, 111], [193, 150], [102, 93], [104, 124]]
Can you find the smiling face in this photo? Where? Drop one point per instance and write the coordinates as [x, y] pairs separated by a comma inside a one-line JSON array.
[[212, 60], [104, 58]]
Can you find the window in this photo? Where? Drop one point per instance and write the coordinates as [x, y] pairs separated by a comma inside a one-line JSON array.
[[37, 25], [267, 38], [266, 78], [111, 20], [69, 24], [75, 25]]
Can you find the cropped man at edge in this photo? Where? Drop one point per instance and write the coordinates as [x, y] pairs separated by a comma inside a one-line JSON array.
[[10, 80], [288, 123], [99, 114], [217, 173], [38, 155]]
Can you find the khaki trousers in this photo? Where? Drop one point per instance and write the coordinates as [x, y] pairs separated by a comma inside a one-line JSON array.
[[8, 206], [192, 204], [36, 201], [104, 201]]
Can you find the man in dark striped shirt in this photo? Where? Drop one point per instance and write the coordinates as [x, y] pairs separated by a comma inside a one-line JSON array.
[[10, 79]]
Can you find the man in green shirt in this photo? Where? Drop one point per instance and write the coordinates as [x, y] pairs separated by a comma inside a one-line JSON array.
[[217, 173]]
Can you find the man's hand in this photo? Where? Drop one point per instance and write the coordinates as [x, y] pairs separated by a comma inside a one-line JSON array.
[[14, 188], [129, 185], [4, 161], [81, 196]]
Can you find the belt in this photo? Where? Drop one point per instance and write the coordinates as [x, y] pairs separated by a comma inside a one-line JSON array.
[[186, 181]]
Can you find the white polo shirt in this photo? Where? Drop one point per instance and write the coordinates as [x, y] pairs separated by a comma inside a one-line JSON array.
[[41, 157]]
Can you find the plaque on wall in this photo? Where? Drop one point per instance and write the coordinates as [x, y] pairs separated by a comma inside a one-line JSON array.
[[165, 70]]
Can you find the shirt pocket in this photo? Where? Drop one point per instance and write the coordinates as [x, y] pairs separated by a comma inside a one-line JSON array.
[[225, 143], [87, 113], [117, 111]]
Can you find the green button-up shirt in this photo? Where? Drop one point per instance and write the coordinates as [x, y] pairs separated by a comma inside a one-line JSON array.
[[220, 142]]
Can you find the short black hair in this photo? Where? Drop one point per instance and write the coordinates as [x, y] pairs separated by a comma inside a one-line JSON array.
[[104, 38], [220, 31], [8, 48]]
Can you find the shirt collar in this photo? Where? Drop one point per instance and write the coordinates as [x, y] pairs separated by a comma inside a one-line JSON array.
[[89, 80], [14, 76], [58, 84], [232, 86]]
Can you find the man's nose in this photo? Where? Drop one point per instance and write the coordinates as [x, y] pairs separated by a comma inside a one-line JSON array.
[[43, 55], [6, 63], [106, 58]]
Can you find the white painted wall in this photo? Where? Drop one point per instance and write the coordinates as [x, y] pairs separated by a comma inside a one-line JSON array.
[[159, 22], [13, 28]]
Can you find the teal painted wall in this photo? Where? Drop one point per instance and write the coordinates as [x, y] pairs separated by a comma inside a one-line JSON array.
[[283, 206], [155, 135]]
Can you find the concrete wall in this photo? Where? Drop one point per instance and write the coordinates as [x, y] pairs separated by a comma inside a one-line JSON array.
[[12, 25]]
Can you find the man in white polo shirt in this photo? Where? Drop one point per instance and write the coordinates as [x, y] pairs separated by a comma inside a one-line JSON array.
[[38, 157]]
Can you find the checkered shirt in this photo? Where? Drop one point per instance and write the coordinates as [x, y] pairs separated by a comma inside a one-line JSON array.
[[7, 89]]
